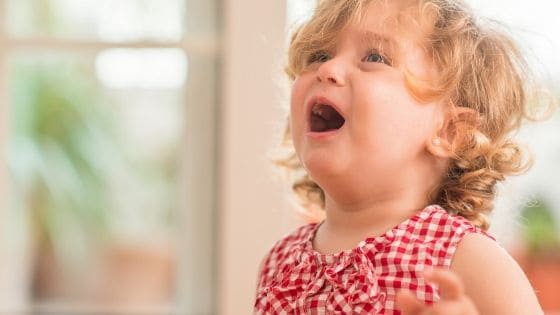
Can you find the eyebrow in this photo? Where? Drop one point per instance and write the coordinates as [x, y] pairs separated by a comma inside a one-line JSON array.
[[379, 41]]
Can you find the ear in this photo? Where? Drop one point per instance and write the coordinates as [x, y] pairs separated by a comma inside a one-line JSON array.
[[440, 144]]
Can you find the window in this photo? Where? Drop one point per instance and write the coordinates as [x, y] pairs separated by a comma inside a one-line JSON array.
[[298, 11], [108, 115]]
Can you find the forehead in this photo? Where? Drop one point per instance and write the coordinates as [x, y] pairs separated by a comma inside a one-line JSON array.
[[388, 20]]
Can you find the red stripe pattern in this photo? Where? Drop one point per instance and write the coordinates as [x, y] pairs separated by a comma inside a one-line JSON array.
[[296, 279]]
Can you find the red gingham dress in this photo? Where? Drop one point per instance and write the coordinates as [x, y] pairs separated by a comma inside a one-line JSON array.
[[296, 279]]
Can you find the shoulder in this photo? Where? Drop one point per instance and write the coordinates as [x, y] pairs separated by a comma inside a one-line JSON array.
[[492, 278], [442, 232], [436, 223], [282, 250]]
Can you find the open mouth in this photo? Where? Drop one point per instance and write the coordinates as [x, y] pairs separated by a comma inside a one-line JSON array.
[[325, 118]]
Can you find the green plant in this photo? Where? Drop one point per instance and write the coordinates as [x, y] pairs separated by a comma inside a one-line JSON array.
[[61, 137], [540, 229]]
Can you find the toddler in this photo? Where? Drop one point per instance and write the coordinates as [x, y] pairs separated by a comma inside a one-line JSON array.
[[401, 115]]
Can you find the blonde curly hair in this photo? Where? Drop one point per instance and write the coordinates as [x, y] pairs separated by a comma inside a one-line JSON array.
[[480, 68]]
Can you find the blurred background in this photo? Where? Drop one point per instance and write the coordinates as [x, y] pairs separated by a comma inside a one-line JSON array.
[[136, 137]]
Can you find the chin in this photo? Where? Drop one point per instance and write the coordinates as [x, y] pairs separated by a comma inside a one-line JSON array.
[[323, 167]]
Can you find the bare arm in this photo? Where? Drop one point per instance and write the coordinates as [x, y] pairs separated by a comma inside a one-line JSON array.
[[492, 279], [483, 280]]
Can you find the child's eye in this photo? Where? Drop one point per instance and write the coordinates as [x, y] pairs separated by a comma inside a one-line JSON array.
[[319, 56], [376, 57]]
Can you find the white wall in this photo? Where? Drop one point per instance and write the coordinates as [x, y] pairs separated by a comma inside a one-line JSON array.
[[253, 212]]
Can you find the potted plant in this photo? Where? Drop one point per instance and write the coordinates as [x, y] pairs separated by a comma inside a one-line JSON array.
[[59, 135], [541, 259], [64, 150]]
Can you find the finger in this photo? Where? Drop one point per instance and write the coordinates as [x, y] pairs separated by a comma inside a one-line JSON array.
[[408, 304], [450, 285], [462, 306]]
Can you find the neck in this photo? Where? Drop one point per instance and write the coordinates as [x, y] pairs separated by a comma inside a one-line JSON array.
[[371, 211], [358, 220], [358, 207]]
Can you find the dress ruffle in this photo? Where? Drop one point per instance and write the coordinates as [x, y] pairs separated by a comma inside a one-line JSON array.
[[351, 279]]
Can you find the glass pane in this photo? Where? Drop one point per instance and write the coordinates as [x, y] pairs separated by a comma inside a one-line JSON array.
[[107, 20], [95, 158], [142, 68], [298, 11]]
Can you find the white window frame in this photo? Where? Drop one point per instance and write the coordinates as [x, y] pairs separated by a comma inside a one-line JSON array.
[[196, 227]]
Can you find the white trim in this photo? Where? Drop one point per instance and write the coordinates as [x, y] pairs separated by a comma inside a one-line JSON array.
[[4, 122], [86, 308], [198, 46], [13, 265]]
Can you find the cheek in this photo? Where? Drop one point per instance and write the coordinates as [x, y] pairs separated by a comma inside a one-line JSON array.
[[297, 110], [392, 117], [300, 89]]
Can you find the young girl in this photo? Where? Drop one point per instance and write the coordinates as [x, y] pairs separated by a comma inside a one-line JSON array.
[[400, 116]]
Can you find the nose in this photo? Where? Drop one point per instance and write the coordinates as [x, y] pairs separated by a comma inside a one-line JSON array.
[[332, 71]]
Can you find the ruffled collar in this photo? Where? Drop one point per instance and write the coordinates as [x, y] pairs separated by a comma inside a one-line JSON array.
[[370, 245], [348, 278]]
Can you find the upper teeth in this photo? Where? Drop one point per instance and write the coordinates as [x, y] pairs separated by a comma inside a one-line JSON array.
[[317, 109]]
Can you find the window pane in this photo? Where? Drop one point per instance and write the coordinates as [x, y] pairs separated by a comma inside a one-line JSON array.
[[108, 20], [142, 68], [96, 166], [299, 11]]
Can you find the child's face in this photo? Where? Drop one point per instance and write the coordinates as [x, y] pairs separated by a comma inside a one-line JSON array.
[[383, 134]]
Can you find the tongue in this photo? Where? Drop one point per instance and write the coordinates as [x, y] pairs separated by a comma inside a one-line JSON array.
[[318, 124], [325, 118], [328, 113], [335, 123]]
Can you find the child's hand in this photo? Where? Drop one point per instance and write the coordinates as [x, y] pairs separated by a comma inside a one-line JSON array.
[[453, 300]]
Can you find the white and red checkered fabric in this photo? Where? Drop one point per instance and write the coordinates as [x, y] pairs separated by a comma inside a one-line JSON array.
[[296, 279]]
